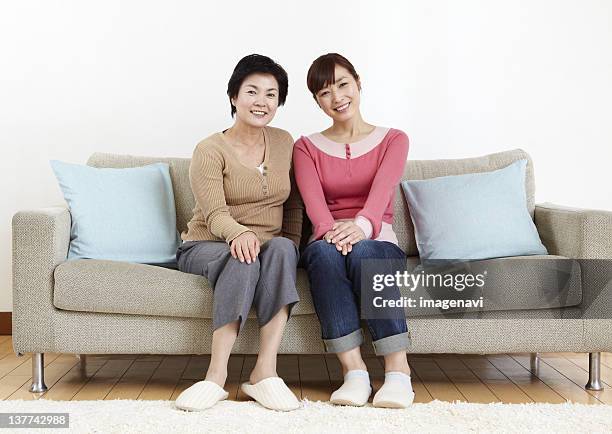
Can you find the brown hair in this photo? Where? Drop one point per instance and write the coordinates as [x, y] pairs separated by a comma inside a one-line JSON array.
[[321, 72]]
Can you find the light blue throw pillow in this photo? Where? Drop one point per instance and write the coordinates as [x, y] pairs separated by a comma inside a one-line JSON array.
[[120, 214], [473, 216]]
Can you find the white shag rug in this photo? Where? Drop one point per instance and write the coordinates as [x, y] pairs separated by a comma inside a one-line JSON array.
[[129, 416]]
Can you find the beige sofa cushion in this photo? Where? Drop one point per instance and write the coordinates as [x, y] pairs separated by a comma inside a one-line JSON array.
[[91, 285], [512, 284]]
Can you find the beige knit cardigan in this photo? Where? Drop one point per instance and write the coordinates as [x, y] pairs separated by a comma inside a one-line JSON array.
[[232, 198]]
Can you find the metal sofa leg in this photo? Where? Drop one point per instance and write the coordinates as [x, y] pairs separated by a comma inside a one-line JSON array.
[[38, 373], [535, 364], [594, 372], [82, 363]]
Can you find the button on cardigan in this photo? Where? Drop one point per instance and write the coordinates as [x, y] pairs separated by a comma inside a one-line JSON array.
[[232, 198]]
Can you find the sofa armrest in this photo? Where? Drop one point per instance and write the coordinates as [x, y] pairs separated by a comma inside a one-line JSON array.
[[575, 233], [40, 242], [585, 235]]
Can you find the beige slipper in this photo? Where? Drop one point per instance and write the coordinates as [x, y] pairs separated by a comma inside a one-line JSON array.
[[200, 396], [272, 393]]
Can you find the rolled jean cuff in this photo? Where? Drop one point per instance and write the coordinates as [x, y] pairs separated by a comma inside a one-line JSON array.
[[392, 344], [344, 343]]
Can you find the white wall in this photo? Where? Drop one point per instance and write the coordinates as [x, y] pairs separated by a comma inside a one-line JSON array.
[[461, 78]]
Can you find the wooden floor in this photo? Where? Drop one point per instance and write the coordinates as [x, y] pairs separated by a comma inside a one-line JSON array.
[[446, 377]]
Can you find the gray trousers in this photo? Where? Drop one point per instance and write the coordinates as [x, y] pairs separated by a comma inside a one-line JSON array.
[[268, 283]]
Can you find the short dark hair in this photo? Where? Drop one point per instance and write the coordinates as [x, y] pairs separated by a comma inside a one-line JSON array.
[[321, 73], [257, 64]]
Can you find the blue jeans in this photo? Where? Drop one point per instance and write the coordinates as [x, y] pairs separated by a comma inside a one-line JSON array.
[[335, 283]]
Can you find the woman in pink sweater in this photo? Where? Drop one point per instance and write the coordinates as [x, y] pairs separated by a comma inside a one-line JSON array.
[[347, 176]]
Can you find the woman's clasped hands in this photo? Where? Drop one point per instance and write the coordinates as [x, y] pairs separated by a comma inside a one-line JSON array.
[[344, 234]]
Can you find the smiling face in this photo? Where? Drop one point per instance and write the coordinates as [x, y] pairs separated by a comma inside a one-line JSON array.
[[257, 100], [340, 100]]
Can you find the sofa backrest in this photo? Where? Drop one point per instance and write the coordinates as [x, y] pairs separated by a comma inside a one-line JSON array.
[[415, 169]]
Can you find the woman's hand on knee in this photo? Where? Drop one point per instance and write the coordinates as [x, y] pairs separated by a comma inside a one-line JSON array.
[[245, 247]]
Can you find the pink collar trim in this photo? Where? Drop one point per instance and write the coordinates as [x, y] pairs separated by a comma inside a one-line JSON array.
[[357, 149]]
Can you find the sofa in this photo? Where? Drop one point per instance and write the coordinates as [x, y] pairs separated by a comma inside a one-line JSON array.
[[89, 306]]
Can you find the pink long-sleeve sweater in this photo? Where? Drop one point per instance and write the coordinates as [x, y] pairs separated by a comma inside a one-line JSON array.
[[351, 181]]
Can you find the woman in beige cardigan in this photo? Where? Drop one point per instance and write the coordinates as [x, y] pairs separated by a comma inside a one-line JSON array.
[[244, 233]]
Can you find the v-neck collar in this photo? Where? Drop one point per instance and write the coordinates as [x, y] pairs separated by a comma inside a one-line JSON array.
[[266, 151]]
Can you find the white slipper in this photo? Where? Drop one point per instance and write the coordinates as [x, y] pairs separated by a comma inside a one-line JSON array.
[[396, 392], [272, 393], [200, 396], [354, 391]]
